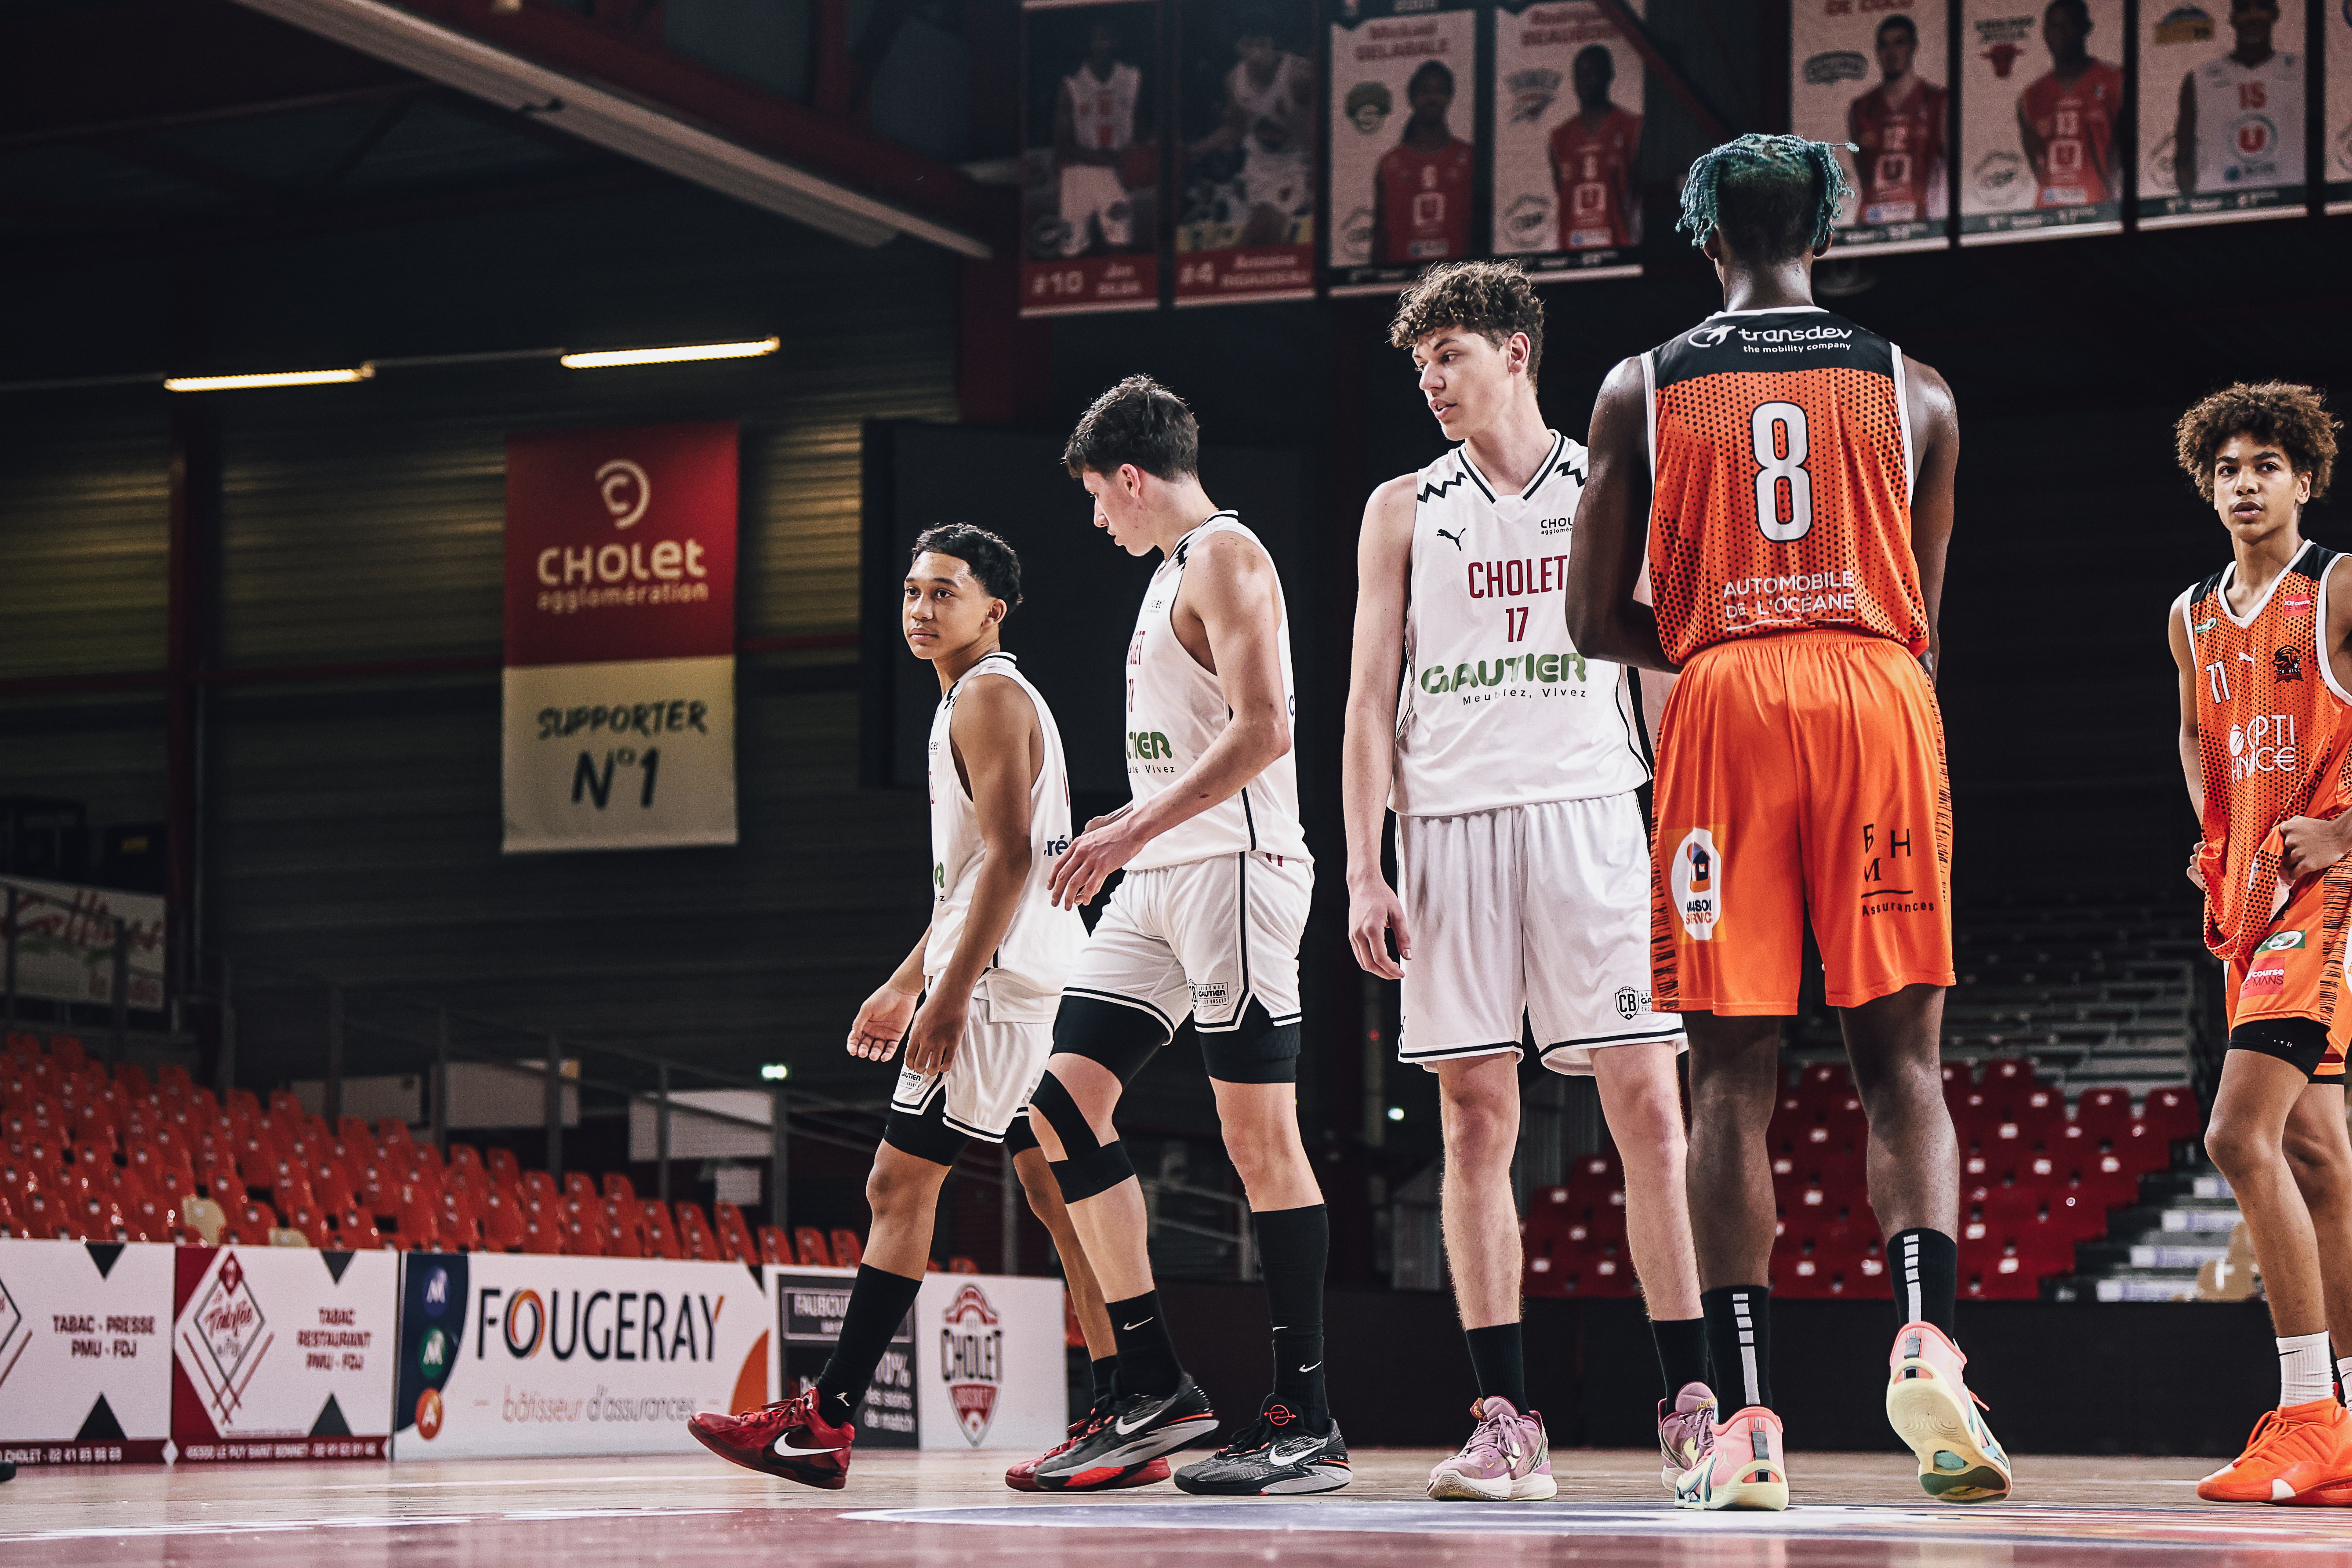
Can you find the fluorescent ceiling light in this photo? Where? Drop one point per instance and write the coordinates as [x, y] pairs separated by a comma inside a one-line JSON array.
[[671, 356], [269, 378]]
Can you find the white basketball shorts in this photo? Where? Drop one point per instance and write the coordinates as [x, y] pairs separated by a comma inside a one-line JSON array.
[[1092, 192], [1535, 910], [1208, 938], [1008, 1035]]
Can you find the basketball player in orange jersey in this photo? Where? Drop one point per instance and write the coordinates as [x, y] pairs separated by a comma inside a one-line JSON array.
[[1421, 194], [1592, 155], [1796, 473], [2066, 117], [2266, 745], [1899, 127]]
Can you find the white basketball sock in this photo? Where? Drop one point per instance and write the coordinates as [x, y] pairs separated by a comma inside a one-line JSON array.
[[2306, 1370]]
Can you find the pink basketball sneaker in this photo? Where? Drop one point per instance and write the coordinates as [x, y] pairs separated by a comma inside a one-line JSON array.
[[1742, 1468], [1507, 1459]]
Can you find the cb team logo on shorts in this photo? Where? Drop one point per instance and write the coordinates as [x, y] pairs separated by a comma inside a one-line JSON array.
[[1694, 877]]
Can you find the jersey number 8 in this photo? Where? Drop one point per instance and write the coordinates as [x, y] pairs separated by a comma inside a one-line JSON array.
[[1784, 487]]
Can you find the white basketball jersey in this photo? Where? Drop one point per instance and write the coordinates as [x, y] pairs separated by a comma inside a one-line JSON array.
[[1175, 709], [1278, 101], [1498, 708], [1043, 942], [1102, 113], [2249, 124]]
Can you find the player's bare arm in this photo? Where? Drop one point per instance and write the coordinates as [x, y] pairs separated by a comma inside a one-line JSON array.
[[1368, 758], [1936, 437], [881, 1021], [1228, 616], [1606, 619], [2031, 140], [2184, 137], [993, 733], [2184, 659]]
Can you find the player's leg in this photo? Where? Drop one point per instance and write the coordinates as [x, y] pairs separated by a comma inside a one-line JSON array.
[[2319, 1153], [1465, 995], [1237, 933], [807, 1436], [1589, 998], [1877, 823], [1727, 939]]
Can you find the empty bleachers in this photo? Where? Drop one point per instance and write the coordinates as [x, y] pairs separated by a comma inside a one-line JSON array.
[[90, 1154]]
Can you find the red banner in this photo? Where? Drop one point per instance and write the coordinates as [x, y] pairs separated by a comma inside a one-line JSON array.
[[621, 544]]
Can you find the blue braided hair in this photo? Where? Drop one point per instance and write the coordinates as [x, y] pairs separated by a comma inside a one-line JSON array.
[[1756, 161]]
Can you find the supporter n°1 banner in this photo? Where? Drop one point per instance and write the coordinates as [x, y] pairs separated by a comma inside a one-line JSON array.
[[283, 1352], [2043, 134], [2221, 122], [2335, 123], [1877, 83], [1091, 91], [1404, 159], [1246, 178], [516, 1354], [1566, 129], [85, 1353], [619, 711]]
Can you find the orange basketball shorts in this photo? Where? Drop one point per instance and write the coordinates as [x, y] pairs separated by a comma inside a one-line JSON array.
[[1799, 776], [2297, 972]]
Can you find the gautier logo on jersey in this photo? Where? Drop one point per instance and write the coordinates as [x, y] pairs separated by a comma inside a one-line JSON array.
[[1514, 670], [972, 1360], [1695, 875]]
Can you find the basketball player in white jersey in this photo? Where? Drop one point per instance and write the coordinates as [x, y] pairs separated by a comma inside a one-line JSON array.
[[1511, 761], [1094, 125], [1207, 922], [1269, 115], [2241, 121], [973, 1001]]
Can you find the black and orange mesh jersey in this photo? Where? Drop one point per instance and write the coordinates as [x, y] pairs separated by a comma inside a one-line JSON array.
[[2273, 738], [1782, 460]]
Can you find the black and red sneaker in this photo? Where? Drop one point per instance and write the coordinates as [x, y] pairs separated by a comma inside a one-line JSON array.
[[788, 1439], [1023, 1476]]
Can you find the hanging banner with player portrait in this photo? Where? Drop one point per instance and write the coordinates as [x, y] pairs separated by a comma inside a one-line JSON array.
[[1247, 212], [2221, 126], [1089, 156], [1404, 99], [2335, 125], [2042, 138], [1567, 134], [1878, 80], [619, 617]]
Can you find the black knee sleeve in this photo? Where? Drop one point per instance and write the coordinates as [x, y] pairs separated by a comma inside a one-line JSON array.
[[1086, 1166]]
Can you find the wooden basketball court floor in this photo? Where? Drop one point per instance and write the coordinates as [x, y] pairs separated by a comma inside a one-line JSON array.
[[1853, 1510]]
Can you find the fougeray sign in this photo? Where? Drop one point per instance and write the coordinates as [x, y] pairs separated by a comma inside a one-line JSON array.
[[620, 637]]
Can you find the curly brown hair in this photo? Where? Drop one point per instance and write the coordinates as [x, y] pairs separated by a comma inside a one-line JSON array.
[[1492, 299], [2280, 413]]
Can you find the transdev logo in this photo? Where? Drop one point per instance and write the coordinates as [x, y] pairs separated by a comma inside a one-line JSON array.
[[972, 1360]]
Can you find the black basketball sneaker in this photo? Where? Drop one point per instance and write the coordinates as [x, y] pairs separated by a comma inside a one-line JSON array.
[[1273, 1455], [1141, 1427]]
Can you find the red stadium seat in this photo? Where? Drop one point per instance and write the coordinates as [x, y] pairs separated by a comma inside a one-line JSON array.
[[848, 1252], [735, 1243], [2172, 1112], [809, 1244], [661, 1234], [617, 1189], [775, 1248]]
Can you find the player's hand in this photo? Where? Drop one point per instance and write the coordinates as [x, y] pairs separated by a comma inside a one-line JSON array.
[[938, 1031], [881, 1024], [1374, 914], [2196, 873], [1107, 844], [2307, 845]]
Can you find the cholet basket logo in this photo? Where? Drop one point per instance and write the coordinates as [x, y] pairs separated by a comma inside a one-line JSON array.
[[972, 1360]]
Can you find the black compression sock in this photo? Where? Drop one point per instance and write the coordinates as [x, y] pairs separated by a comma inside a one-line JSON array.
[[1498, 1360], [878, 1303], [1682, 1353], [1294, 1247], [1147, 1356], [1926, 1265], [1739, 1335], [1102, 1370]]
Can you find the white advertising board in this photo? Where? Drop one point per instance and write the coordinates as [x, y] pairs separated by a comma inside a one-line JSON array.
[[507, 1354], [283, 1352], [84, 1371]]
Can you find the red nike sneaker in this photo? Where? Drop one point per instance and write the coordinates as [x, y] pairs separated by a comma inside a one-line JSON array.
[[788, 1439], [1023, 1476]]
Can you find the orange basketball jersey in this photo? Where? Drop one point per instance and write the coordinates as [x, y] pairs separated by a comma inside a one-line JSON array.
[[2274, 739], [1781, 453]]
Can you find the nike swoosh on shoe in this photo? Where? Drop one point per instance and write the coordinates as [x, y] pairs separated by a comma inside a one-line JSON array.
[[784, 1450]]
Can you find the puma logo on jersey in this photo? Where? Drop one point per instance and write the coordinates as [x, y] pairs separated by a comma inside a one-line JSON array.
[[1454, 538]]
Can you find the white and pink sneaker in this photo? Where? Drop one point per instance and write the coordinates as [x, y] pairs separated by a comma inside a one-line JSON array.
[[1507, 1459], [1685, 1432]]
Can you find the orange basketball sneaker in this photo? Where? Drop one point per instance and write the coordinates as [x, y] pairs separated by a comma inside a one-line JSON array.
[[2294, 1454]]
